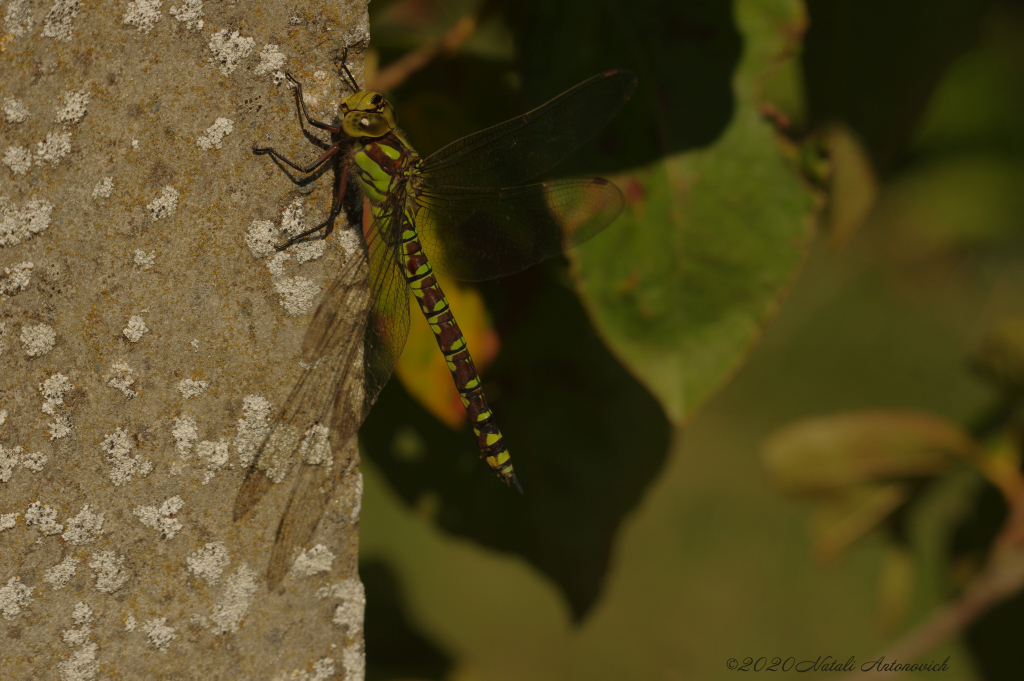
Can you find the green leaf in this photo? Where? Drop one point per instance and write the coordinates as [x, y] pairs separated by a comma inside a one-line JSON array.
[[682, 283]]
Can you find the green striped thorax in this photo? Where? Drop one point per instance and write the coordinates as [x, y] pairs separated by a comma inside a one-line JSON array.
[[366, 114], [383, 160]]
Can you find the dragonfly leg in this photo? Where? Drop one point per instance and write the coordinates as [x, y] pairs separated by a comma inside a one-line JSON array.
[[300, 105], [308, 169], [328, 224]]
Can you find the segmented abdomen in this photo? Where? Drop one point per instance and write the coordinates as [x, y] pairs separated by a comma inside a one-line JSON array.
[[420, 276]]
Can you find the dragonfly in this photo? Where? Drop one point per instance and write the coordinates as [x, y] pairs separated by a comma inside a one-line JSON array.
[[467, 211]]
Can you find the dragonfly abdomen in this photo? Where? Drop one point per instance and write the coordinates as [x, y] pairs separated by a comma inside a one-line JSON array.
[[420, 277]]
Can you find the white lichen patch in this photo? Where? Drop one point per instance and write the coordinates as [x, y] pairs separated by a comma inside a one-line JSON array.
[[357, 497], [14, 598], [8, 521], [136, 327], [120, 377], [185, 434], [73, 108], [135, 145], [161, 517], [15, 278], [228, 50], [315, 448], [143, 259], [57, 23], [54, 390], [82, 664], [297, 294], [84, 527], [45, 517], [352, 609], [130, 623], [159, 634], [18, 159], [164, 205], [56, 146], [103, 189], [143, 14], [34, 461], [37, 339], [190, 14], [324, 669], [14, 110], [235, 601], [220, 129], [18, 17], [123, 466], [252, 428], [190, 388], [16, 225], [209, 561], [108, 571], [271, 59], [317, 559], [12, 457], [60, 574], [261, 238], [293, 223], [213, 455], [353, 662]]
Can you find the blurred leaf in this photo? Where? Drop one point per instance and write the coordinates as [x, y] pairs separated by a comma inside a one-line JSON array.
[[422, 368], [853, 188], [874, 64], [852, 513], [586, 440], [999, 356], [683, 282], [980, 101], [953, 202], [1000, 465], [825, 454]]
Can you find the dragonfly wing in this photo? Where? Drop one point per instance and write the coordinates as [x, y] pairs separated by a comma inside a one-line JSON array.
[[387, 326], [481, 234], [328, 393], [519, 149], [310, 401]]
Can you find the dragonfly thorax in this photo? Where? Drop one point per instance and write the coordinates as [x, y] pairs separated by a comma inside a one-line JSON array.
[[366, 114]]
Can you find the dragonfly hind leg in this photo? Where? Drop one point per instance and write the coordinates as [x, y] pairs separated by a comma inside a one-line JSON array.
[[328, 224]]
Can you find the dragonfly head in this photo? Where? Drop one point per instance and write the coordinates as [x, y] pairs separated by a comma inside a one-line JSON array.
[[366, 114]]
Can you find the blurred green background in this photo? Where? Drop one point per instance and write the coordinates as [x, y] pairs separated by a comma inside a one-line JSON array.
[[825, 203]]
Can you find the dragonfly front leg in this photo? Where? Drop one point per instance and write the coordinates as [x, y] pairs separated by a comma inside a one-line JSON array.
[[300, 105]]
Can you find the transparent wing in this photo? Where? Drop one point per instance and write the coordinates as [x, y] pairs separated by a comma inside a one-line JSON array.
[[517, 150], [317, 422], [480, 234]]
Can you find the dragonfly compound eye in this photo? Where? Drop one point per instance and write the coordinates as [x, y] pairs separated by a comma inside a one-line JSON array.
[[364, 124]]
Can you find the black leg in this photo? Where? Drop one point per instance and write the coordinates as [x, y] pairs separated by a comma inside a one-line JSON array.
[[328, 224], [308, 169], [300, 104]]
